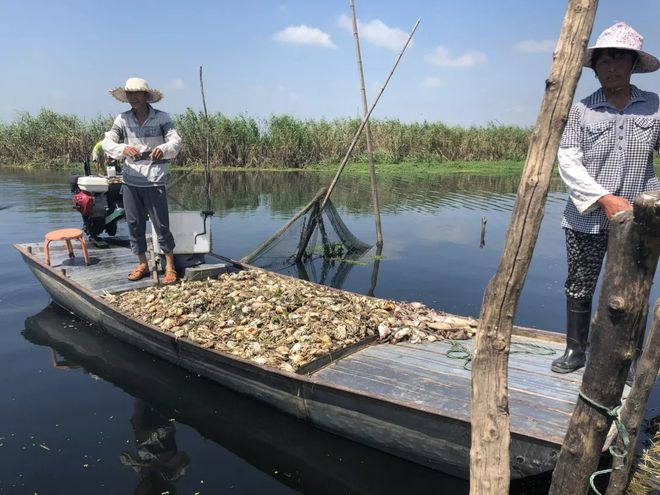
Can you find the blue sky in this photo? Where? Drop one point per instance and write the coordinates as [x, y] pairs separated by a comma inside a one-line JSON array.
[[471, 62]]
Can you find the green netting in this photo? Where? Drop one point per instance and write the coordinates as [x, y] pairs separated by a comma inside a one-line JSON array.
[[313, 245]]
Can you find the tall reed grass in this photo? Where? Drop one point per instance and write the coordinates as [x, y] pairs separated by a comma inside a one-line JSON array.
[[50, 139]]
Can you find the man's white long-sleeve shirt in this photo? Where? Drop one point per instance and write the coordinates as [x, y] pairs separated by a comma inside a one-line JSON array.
[[157, 131]]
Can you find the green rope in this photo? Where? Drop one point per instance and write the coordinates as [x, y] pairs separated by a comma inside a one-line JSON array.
[[615, 414], [459, 351], [529, 348]]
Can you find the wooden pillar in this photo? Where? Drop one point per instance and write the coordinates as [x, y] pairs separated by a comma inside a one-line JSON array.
[[367, 130], [632, 413], [489, 454], [632, 258]]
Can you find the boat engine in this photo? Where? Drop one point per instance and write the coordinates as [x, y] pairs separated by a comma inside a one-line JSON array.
[[98, 199]]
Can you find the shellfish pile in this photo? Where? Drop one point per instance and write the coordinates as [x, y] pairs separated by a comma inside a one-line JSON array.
[[280, 321]]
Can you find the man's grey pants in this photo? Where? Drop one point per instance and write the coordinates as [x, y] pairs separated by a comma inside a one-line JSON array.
[[138, 201]]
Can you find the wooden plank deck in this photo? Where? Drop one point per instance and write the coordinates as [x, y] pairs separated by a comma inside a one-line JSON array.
[[423, 374], [541, 401], [108, 269]]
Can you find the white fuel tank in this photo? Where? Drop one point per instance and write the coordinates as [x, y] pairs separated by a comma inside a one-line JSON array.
[[187, 227]]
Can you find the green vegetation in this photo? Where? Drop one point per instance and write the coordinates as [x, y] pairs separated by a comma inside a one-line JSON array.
[[49, 139], [282, 142], [413, 169], [647, 472]]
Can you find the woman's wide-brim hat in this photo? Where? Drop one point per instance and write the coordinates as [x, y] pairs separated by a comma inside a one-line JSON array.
[[622, 36], [135, 84]]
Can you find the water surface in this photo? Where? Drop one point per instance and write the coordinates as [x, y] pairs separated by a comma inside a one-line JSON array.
[[77, 404]]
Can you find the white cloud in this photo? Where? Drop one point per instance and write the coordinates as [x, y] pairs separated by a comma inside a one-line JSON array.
[[535, 46], [176, 84], [432, 82], [440, 56], [304, 35], [376, 32]]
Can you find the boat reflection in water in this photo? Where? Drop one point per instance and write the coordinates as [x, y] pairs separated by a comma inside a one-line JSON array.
[[269, 440]]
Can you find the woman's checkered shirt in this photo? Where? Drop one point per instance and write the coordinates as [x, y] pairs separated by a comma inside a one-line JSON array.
[[617, 149]]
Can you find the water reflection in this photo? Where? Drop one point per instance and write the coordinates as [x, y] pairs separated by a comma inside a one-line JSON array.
[[431, 254], [158, 461], [296, 454], [287, 191]]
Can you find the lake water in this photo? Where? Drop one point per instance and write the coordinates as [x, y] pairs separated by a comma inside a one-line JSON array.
[[74, 402]]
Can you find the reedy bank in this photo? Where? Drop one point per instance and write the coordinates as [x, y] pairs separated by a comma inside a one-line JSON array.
[[49, 140]]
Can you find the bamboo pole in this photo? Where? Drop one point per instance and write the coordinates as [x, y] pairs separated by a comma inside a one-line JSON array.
[[207, 165], [489, 453], [632, 258], [366, 119], [367, 129], [632, 413]]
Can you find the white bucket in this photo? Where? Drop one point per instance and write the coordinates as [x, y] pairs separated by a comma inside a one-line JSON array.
[[112, 171]]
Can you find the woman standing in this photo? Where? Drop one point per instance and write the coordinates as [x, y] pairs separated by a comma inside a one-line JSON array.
[[606, 160]]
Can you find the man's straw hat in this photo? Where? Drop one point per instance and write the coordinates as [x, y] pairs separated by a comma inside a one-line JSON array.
[[136, 84], [622, 36]]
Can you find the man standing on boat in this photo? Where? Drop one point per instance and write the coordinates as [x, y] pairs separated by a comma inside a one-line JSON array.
[[148, 140], [606, 160]]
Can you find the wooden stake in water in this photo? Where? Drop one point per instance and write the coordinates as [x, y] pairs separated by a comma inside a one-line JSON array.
[[482, 241], [367, 130]]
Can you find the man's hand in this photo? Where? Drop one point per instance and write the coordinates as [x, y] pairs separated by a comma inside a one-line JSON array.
[[132, 151], [156, 154], [612, 205]]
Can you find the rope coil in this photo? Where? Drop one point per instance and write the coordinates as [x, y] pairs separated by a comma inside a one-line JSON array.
[[615, 414], [459, 351]]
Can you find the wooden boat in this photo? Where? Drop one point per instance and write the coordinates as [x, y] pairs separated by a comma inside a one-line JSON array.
[[409, 400]]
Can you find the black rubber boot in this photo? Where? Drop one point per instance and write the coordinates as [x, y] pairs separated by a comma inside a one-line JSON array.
[[578, 317]]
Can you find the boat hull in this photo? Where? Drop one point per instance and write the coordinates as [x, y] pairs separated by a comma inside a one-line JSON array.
[[402, 429]]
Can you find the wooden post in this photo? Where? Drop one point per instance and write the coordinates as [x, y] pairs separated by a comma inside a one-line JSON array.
[[374, 272], [207, 163], [308, 233], [632, 413], [489, 454], [367, 131], [632, 257], [152, 255], [332, 185]]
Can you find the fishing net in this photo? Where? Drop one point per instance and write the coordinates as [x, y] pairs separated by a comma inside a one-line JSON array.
[[314, 245]]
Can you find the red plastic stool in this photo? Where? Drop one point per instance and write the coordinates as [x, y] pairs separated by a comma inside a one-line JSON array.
[[66, 235]]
